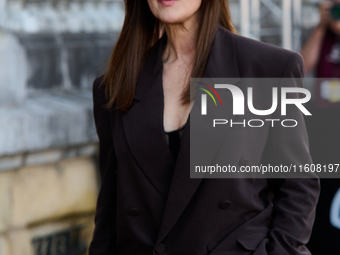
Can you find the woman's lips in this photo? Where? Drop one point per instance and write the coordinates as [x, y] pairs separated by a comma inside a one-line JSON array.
[[167, 2]]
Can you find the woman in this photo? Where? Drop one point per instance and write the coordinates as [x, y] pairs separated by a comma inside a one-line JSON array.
[[147, 202]]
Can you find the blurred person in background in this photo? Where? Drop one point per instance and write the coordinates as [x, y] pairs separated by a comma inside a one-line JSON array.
[[321, 54]]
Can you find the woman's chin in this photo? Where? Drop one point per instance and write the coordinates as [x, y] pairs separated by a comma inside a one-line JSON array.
[[171, 19]]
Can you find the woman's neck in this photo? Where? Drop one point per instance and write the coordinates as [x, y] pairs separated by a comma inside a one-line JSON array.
[[181, 41]]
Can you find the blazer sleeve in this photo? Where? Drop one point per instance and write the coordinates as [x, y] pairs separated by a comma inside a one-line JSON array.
[[294, 199], [105, 234]]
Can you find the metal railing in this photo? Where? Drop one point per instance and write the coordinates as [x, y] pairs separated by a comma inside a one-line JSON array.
[[284, 16]]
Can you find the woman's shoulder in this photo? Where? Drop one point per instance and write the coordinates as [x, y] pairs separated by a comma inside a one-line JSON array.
[[97, 82], [98, 90], [268, 60]]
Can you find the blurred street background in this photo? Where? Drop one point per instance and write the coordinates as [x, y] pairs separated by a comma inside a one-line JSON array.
[[50, 53]]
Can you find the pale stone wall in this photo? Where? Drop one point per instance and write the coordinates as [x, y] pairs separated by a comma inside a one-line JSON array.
[[39, 200]]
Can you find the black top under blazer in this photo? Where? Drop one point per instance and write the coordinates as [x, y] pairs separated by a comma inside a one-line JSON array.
[[147, 204]]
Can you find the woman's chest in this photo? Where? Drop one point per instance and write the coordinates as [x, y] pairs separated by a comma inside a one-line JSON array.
[[174, 82]]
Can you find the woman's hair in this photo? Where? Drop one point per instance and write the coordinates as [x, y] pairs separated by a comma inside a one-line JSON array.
[[141, 30]]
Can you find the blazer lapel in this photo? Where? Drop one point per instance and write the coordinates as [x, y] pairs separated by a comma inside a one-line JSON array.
[[143, 123], [222, 63]]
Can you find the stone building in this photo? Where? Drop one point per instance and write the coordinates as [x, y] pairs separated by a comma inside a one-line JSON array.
[[50, 53]]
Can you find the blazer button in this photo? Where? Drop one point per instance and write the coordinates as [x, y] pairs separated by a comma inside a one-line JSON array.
[[225, 204], [134, 212], [160, 248], [243, 162], [211, 246]]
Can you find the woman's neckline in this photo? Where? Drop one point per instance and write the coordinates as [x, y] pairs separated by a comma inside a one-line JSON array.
[[176, 130]]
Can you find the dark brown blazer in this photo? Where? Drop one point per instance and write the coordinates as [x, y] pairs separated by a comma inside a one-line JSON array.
[[148, 204]]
